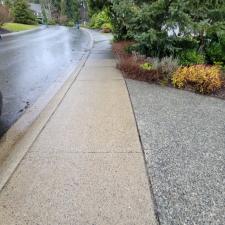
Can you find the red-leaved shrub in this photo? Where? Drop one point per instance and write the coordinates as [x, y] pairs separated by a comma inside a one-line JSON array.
[[130, 66]]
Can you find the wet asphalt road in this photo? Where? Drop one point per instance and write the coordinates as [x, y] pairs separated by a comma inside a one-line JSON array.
[[30, 63]]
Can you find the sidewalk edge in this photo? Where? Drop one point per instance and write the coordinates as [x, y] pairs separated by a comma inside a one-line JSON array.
[[148, 177]]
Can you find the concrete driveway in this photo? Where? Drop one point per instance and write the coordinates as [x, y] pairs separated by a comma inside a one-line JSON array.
[[30, 63]]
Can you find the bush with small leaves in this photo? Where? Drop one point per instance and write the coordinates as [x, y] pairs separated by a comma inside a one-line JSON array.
[[22, 13], [106, 27], [146, 66], [191, 57], [202, 78], [168, 65], [99, 19]]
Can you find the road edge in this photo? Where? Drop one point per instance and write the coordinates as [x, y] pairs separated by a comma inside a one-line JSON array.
[[13, 147]]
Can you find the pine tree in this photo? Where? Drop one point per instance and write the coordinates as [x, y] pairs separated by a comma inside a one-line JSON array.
[[22, 13]]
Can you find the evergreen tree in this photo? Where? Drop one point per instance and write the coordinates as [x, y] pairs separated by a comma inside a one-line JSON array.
[[72, 9], [168, 27], [22, 13]]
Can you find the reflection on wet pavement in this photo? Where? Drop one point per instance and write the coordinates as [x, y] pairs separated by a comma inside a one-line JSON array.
[[30, 63]]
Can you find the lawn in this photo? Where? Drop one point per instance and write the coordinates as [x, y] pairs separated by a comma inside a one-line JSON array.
[[15, 27]]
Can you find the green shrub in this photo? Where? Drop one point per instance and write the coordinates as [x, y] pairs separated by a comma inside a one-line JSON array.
[[124, 17], [155, 44], [185, 43], [69, 23], [107, 27], [167, 66], [220, 64], [22, 13], [51, 22], [191, 57], [130, 49], [100, 18], [204, 79], [39, 21], [215, 52]]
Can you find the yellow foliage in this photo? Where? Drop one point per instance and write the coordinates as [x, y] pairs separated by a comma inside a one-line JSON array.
[[204, 79]]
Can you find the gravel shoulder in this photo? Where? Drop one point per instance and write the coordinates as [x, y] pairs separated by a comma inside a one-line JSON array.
[[183, 136]]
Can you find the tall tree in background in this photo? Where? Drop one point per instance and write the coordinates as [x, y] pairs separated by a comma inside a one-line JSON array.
[[72, 9], [95, 6], [47, 5], [62, 9]]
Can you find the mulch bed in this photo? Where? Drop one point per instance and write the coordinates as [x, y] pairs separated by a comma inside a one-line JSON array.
[[130, 66], [4, 31], [131, 69]]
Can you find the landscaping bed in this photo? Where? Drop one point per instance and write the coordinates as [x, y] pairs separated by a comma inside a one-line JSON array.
[[199, 78]]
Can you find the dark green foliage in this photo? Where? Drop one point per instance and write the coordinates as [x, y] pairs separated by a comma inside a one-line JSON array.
[[191, 57], [189, 29], [63, 11], [51, 22], [70, 23], [124, 17], [156, 44], [22, 13], [8, 3], [96, 6], [130, 48], [106, 27], [72, 9], [100, 18], [215, 51], [45, 19]]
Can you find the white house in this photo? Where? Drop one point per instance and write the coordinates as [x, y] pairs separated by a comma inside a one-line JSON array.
[[37, 10]]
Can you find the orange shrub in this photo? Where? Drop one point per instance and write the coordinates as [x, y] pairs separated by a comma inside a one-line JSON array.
[[203, 78]]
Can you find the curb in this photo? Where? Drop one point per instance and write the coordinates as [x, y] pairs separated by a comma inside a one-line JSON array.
[[5, 36], [90, 35], [13, 146]]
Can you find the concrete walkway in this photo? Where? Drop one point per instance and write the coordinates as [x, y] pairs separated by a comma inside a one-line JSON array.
[[86, 167]]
